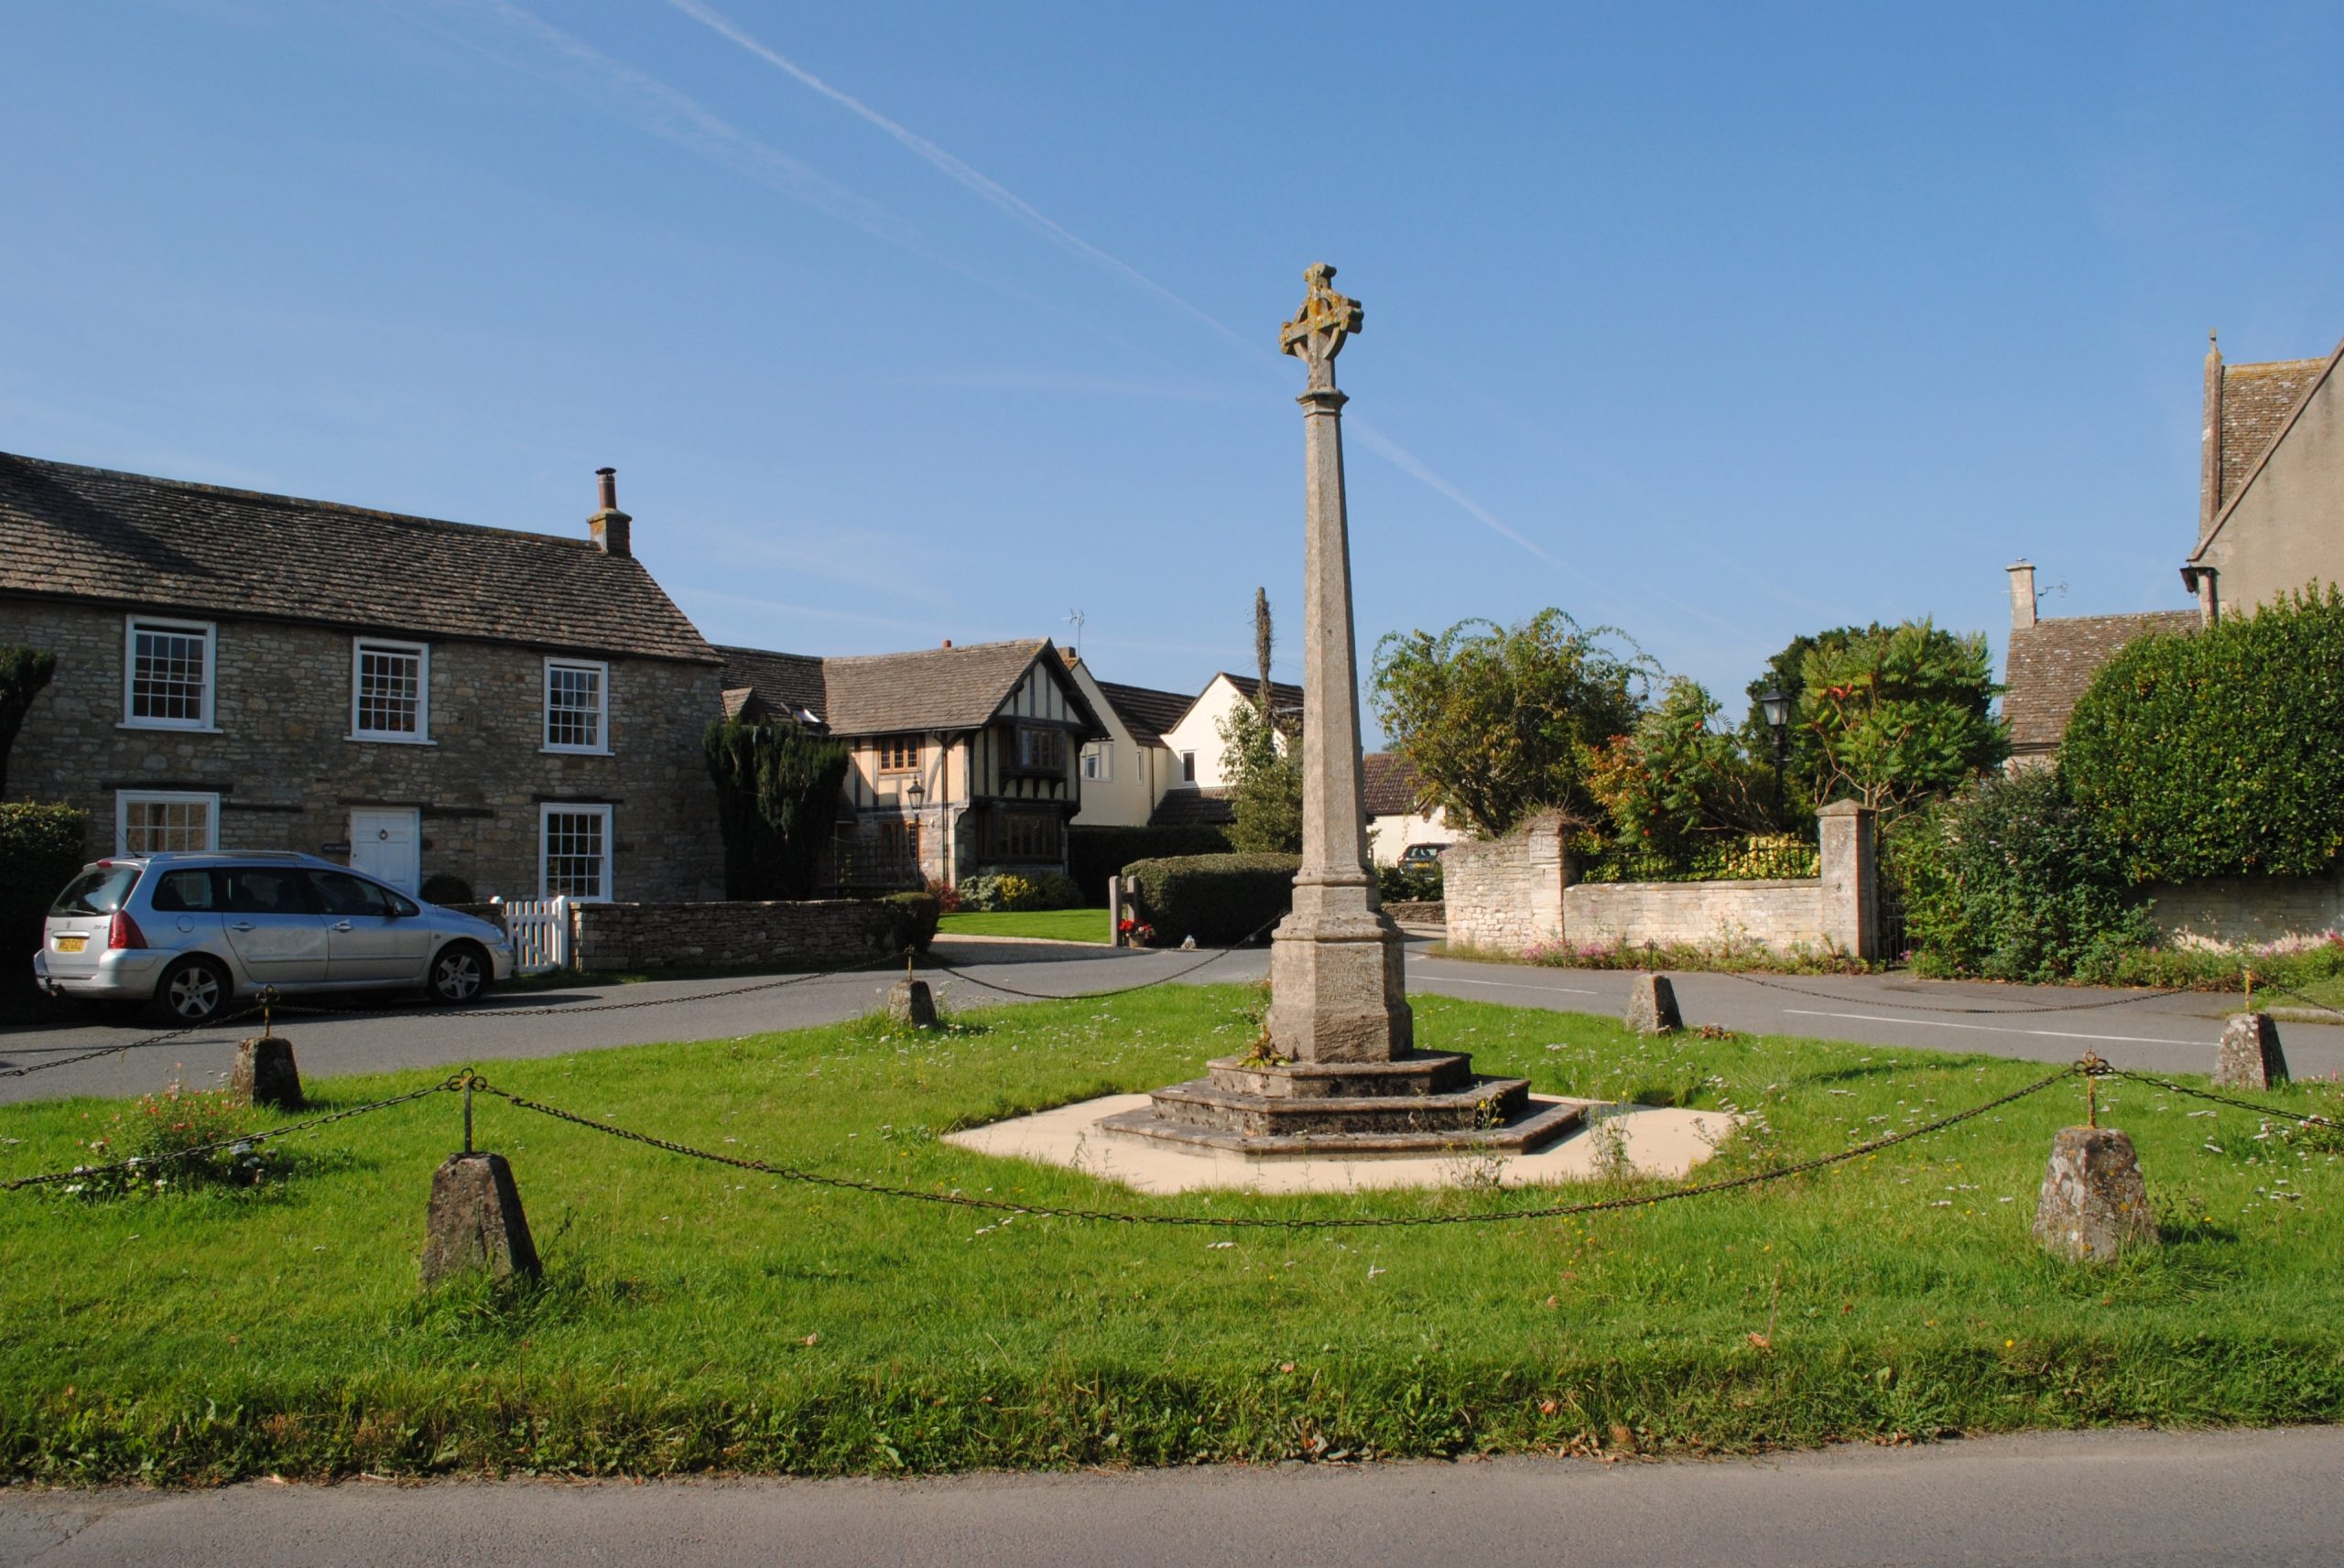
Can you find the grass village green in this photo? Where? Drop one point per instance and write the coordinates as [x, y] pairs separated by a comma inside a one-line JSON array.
[[698, 1318]]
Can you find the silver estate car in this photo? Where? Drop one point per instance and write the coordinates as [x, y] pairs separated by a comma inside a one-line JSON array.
[[191, 933]]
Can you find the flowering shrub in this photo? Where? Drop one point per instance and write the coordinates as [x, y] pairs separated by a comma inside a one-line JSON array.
[[1728, 954], [154, 1139]]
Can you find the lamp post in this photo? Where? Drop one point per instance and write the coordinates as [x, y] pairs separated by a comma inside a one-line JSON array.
[[1776, 706], [915, 793]]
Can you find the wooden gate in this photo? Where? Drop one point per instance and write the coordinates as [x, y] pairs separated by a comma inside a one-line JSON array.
[[540, 931]]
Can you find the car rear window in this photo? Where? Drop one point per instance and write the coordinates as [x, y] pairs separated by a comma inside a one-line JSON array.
[[99, 889]]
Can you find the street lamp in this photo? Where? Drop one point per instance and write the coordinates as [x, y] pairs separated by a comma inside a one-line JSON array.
[[915, 793], [1776, 705]]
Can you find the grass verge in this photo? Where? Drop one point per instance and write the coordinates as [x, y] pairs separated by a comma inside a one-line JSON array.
[[698, 1318], [1058, 924]]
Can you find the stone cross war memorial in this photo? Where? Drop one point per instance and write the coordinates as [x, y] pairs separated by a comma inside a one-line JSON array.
[[1337, 1072]]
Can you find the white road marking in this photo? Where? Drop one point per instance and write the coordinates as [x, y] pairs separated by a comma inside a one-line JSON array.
[[1993, 1029], [1512, 986]]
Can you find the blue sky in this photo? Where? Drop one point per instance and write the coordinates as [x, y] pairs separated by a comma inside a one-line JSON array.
[[904, 322]]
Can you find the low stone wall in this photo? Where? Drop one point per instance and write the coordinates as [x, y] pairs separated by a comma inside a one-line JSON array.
[[816, 932], [1781, 914], [2230, 912], [1418, 912], [1509, 894]]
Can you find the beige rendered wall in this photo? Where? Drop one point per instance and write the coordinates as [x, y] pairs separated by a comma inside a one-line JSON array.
[[1390, 834], [2286, 528], [1127, 796]]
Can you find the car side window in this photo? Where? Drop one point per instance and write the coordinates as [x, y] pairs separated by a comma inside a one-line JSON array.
[[341, 894], [183, 893], [262, 890], [407, 907]]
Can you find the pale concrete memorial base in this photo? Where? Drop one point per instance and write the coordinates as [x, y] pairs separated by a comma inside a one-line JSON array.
[[1603, 1139]]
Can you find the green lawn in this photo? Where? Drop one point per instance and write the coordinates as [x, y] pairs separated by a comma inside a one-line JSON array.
[[695, 1317], [1058, 924]]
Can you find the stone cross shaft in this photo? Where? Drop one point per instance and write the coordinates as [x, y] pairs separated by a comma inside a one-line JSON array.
[[1337, 991]]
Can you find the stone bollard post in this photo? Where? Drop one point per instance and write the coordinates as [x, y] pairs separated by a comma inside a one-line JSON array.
[[266, 1073], [1116, 910], [475, 1221], [2250, 1057], [2094, 1203], [1652, 1005], [911, 1003]]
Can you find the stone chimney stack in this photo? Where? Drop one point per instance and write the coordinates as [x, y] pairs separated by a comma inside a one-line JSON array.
[[2022, 594], [610, 526], [2209, 462]]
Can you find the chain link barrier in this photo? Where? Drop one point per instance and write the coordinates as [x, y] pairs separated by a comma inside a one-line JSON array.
[[1250, 1222], [256, 1010], [938, 966], [2298, 996], [2308, 1118], [242, 1141], [1978, 1012]]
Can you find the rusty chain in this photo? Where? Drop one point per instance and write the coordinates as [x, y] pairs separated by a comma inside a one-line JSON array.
[[1238, 1222], [1213, 957], [1979, 1011]]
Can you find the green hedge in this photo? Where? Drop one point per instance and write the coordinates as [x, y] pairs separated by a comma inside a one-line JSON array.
[[1217, 899], [2217, 754], [41, 848], [2012, 880], [1094, 854]]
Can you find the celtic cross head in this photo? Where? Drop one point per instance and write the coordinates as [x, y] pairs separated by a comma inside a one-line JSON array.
[[1317, 333]]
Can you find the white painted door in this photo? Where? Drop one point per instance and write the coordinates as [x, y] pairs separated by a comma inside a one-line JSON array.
[[384, 844]]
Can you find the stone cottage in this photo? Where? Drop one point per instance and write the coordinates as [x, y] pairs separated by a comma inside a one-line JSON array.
[[243, 671]]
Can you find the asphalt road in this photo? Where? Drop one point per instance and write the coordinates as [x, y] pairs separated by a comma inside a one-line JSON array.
[[2133, 1499], [2045, 1023]]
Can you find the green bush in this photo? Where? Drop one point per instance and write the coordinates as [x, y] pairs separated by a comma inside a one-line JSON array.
[[1408, 884], [1094, 854], [1217, 899], [2010, 880], [995, 893], [917, 915], [41, 848], [2216, 755]]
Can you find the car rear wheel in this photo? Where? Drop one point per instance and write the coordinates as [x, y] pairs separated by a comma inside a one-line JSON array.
[[458, 974], [194, 991]]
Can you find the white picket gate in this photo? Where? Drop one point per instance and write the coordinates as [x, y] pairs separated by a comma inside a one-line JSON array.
[[540, 931]]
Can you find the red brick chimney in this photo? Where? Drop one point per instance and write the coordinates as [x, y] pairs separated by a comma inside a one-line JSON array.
[[948, 642], [609, 526]]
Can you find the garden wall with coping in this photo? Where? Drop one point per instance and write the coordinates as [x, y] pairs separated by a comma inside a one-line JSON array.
[[814, 932], [1510, 894], [2230, 912]]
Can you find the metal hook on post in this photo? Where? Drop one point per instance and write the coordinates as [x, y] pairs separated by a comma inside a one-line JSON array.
[[2092, 1066], [470, 1078], [267, 1012]]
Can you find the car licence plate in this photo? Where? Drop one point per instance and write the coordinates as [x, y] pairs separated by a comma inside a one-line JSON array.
[[71, 943]]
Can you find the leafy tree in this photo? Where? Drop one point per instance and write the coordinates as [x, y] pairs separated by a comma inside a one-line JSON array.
[[1677, 779], [1899, 714], [2009, 879], [24, 672], [2216, 755], [1503, 721], [777, 799], [1264, 764]]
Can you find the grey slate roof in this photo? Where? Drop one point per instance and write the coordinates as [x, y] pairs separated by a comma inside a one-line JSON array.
[[1284, 698], [781, 683], [1146, 712], [2256, 401], [2052, 662], [889, 694], [161, 544], [1389, 782], [1193, 808]]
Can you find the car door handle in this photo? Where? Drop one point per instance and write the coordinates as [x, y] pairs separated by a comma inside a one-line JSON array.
[[243, 925], [343, 927]]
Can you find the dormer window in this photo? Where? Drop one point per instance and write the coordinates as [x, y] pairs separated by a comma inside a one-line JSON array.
[[1040, 751]]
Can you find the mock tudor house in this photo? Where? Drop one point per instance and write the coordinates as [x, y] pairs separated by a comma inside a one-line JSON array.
[[247, 671], [2270, 519], [963, 760]]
